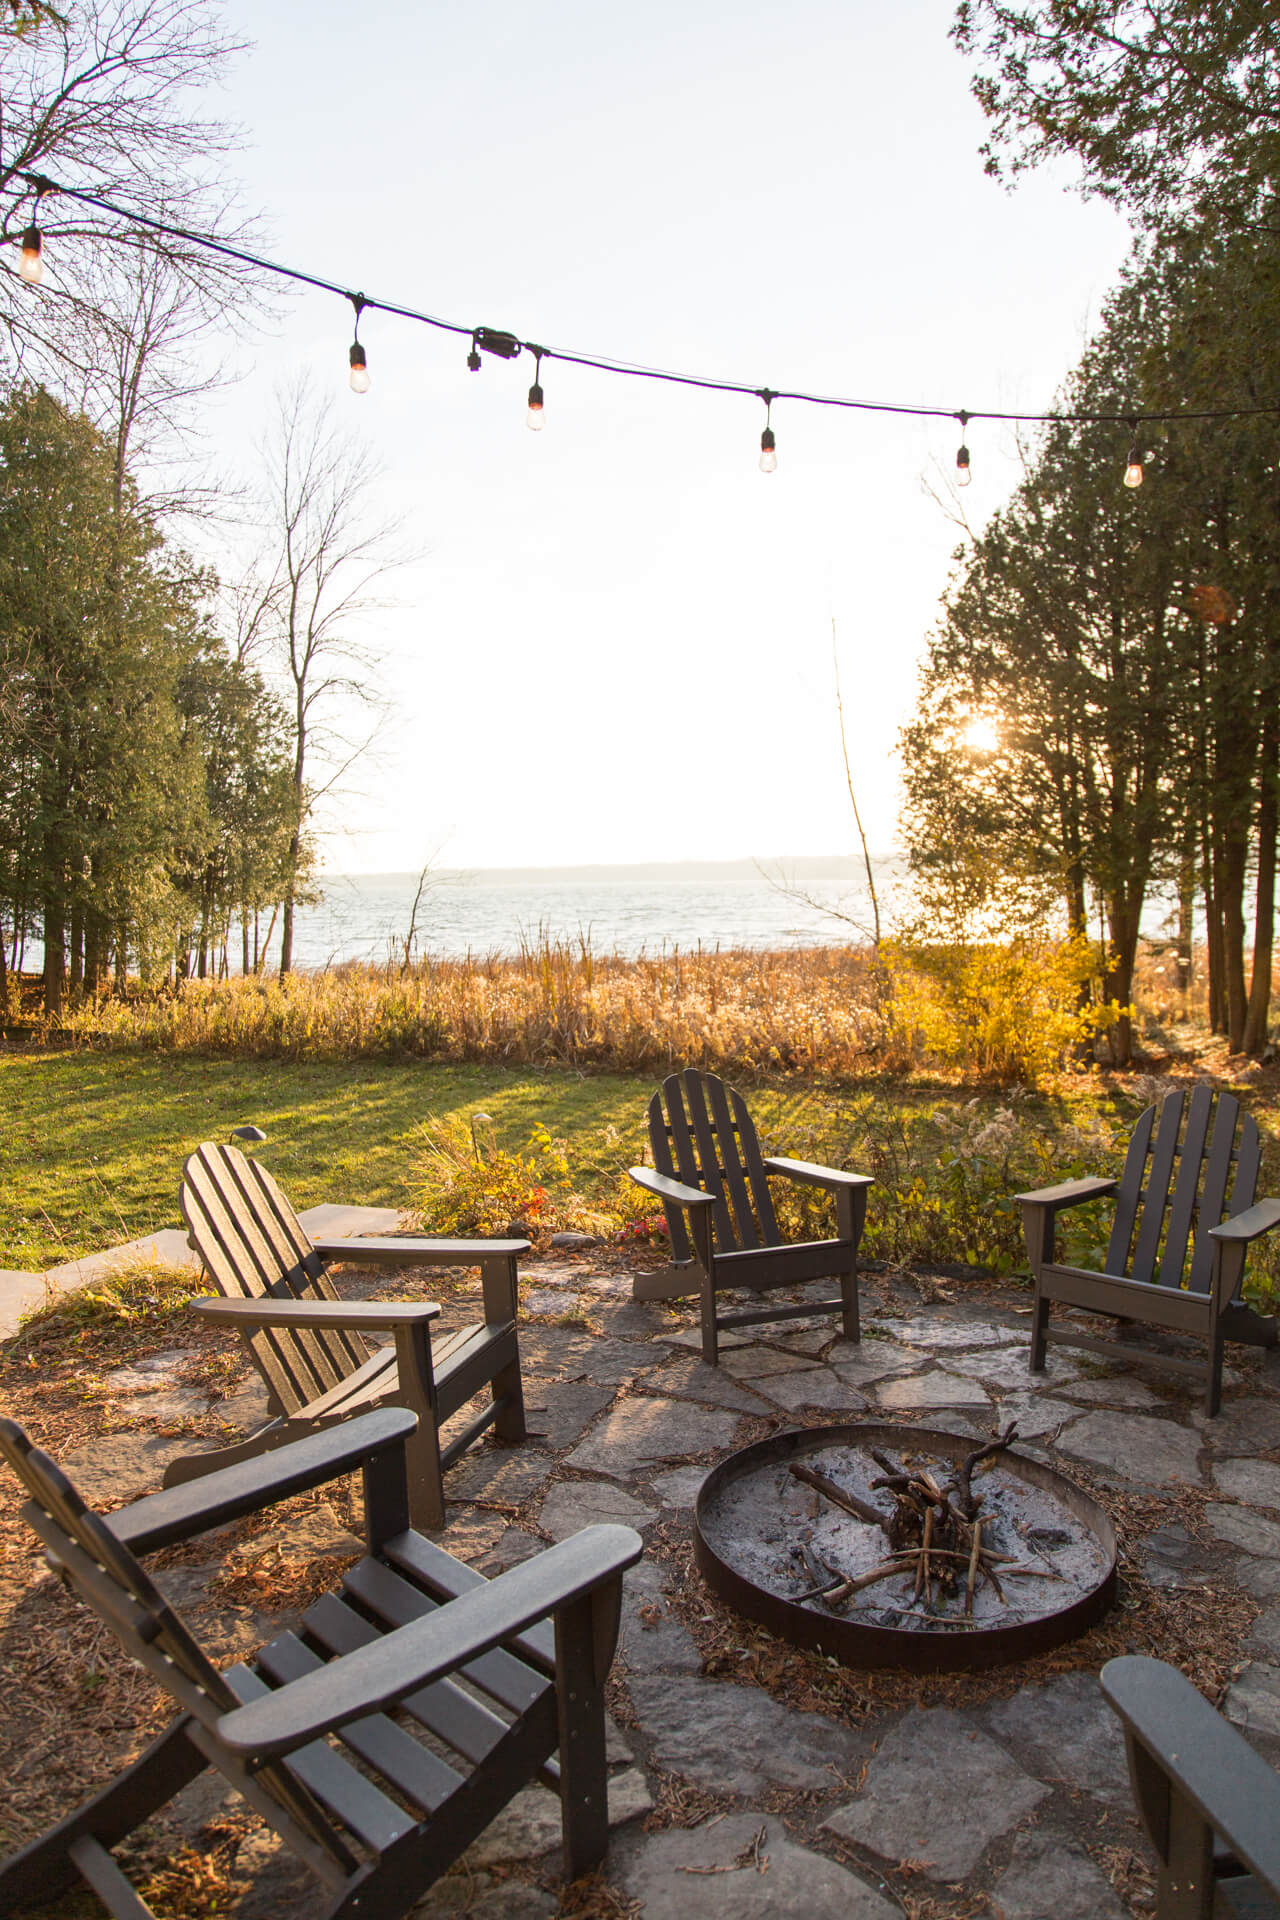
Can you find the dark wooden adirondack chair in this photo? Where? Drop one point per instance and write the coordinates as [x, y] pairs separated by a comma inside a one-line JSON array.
[[1209, 1803], [484, 1687], [708, 1171], [311, 1347], [1185, 1214]]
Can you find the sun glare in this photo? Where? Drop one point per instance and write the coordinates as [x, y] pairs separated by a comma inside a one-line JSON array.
[[980, 736]]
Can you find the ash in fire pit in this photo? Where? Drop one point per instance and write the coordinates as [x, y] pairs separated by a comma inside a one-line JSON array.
[[897, 1546]]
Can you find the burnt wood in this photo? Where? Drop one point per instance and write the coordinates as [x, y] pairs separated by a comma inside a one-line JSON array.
[[1184, 1216], [487, 1682], [1210, 1805], [312, 1348], [713, 1183]]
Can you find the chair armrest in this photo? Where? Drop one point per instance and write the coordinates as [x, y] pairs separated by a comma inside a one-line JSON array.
[[673, 1190], [808, 1175], [216, 1499], [1069, 1194], [365, 1316], [1232, 1788], [1259, 1218], [391, 1251], [379, 1675]]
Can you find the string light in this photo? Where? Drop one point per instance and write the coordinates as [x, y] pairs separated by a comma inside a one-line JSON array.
[[534, 419], [963, 474], [768, 446], [31, 259], [508, 346], [359, 365]]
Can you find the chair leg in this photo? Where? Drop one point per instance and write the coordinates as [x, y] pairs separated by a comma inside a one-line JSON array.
[[426, 1479], [1213, 1374], [710, 1331], [499, 1286], [850, 1324], [585, 1634], [1039, 1331], [851, 1213], [45, 1868]]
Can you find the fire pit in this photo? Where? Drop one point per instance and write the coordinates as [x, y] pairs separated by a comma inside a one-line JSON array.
[[897, 1546]]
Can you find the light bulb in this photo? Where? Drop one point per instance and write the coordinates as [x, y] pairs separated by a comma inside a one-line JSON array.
[[31, 265], [768, 452], [1133, 472], [359, 369], [534, 420], [964, 473], [473, 359]]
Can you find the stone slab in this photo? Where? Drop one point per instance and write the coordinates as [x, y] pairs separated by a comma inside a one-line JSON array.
[[936, 1388], [1253, 1703], [571, 1504], [1035, 1414], [761, 1363], [938, 1791], [929, 1331], [1046, 1877], [1241, 1528], [1257, 1482], [1066, 1735], [863, 1361], [692, 1379], [1261, 1578], [561, 1412], [529, 1824], [1117, 1390], [465, 1895], [650, 1637], [547, 1303], [503, 1476], [1264, 1634], [1248, 1425], [118, 1467], [1008, 1369], [641, 1433], [713, 1872], [738, 1740], [820, 1388], [1135, 1447], [680, 1489]]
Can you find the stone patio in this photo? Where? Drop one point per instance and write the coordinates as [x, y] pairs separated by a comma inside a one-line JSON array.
[[752, 1779]]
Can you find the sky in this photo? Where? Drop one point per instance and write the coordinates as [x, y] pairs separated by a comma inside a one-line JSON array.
[[613, 641]]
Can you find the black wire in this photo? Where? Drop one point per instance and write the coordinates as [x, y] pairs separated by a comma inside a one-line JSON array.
[[604, 363]]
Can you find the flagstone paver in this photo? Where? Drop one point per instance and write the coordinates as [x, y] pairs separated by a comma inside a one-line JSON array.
[[1008, 1369], [819, 1388], [938, 1791], [1253, 1701], [1241, 1528], [867, 1360], [1049, 1879], [679, 1489], [759, 1363], [1135, 1447], [714, 1872], [738, 1740], [1254, 1481], [572, 1504], [693, 1379], [642, 1433], [936, 1388], [1034, 1414], [1066, 1735], [651, 1638], [562, 1412], [1117, 1390], [929, 1331]]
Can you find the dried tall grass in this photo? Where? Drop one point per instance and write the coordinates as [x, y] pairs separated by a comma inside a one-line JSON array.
[[808, 1011]]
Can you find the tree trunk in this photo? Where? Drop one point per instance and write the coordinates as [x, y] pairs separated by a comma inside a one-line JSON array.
[[1235, 852], [55, 958], [1255, 1026], [76, 955], [286, 933]]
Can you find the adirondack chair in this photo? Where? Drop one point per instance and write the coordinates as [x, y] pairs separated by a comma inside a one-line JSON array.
[[1177, 1249], [1197, 1781], [708, 1172], [483, 1686], [312, 1349]]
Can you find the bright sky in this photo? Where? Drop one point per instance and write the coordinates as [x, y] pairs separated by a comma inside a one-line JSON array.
[[616, 644]]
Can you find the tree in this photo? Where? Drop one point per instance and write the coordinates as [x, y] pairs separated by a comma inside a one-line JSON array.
[[1172, 106], [305, 598]]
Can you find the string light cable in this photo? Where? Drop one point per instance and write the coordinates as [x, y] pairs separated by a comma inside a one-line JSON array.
[[509, 346]]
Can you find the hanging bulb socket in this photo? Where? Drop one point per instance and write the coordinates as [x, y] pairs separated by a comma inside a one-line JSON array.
[[768, 445], [963, 472], [359, 375], [473, 358], [1133, 473], [534, 419], [31, 263]]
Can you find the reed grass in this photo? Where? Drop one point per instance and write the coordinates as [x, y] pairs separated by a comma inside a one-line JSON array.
[[810, 1011]]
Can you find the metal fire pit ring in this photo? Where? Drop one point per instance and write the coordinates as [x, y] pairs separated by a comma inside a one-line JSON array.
[[864, 1644]]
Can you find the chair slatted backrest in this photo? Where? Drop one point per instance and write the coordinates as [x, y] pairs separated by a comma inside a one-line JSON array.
[[1200, 1168], [253, 1245], [110, 1580], [701, 1134]]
